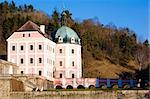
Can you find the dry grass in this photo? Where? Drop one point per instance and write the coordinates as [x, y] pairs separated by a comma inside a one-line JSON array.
[[104, 68]]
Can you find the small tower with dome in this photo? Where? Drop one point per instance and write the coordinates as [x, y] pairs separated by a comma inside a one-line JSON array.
[[68, 52]]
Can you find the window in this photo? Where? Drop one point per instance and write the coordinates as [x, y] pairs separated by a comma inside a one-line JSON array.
[[21, 47], [60, 50], [60, 39], [40, 47], [40, 60], [21, 72], [31, 47], [72, 40], [29, 34], [21, 60], [79, 41], [31, 60], [60, 75], [60, 63], [72, 63], [13, 48], [40, 73], [72, 75], [23, 35], [72, 51]]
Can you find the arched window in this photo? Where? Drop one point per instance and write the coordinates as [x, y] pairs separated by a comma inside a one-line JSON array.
[[72, 40], [60, 39]]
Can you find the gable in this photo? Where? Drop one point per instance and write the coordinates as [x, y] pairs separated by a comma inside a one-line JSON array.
[[29, 26], [25, 35]]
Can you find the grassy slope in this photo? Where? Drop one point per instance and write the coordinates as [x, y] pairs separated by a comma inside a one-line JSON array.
[[103, 68]]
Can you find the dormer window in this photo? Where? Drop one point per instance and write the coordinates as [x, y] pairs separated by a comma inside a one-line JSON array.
[[72, 40], [60, 39], [79, 41]]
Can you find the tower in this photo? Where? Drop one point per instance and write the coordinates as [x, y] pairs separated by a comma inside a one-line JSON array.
[[68, 52]]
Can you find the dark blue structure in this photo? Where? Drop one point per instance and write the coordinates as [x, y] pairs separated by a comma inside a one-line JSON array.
[[115, 83]]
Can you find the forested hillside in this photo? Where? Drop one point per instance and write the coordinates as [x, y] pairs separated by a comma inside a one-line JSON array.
[[107, 51]]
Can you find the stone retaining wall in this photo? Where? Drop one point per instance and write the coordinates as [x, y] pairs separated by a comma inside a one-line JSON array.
[[9, 84], [123, 94]]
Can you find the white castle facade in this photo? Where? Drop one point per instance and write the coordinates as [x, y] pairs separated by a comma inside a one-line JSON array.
[[32, 50], [57, 58]]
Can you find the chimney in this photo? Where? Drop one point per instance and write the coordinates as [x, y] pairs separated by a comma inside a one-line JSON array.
[[42, 28]]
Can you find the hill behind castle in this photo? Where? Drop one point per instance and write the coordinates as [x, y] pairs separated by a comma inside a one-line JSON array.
[[107, 51]]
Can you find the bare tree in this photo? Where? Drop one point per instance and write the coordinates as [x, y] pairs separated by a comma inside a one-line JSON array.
[[140, 55]]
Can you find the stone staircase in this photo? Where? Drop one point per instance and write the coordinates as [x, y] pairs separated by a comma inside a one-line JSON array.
[[32, 82]]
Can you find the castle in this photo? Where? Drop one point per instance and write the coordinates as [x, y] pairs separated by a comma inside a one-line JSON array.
[[57, 58]]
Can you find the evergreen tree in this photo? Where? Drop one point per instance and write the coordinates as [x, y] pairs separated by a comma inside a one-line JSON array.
[[56, 19], [146, 43], [5, 7], [12, 7]]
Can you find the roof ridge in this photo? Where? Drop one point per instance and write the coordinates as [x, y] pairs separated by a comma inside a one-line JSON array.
[[29, 25]]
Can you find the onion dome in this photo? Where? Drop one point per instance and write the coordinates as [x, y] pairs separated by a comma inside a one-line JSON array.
[[66, 35]]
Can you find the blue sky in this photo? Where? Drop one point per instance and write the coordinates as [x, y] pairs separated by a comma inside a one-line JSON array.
[[133, 14]]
